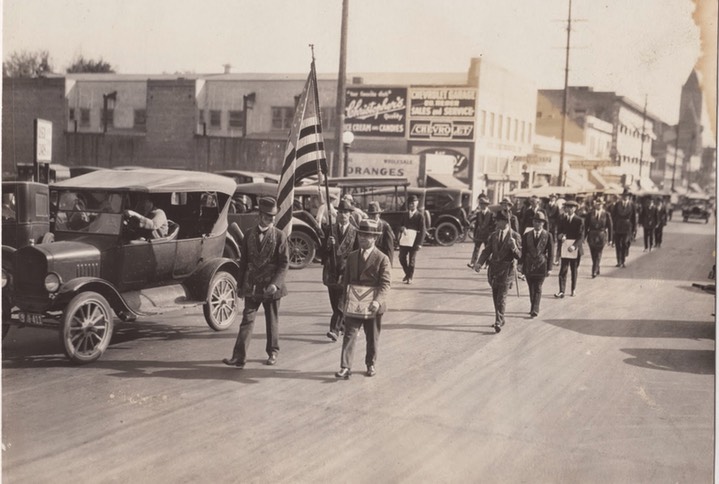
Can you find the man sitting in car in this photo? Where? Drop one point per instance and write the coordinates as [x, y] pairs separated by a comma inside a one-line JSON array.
[[151, 221]]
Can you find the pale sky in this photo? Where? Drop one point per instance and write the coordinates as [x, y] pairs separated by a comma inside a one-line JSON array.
[[633, 47]]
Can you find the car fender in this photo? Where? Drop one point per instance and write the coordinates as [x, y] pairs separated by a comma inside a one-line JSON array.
[[302, 226], [448, 218], [75, 286], [196, 284]]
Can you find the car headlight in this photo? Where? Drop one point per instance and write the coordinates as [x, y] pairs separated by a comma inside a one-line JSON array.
[[52, 282], [4, 278]]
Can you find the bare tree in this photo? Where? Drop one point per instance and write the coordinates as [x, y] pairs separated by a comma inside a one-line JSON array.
[[80, 64], [27, 64]]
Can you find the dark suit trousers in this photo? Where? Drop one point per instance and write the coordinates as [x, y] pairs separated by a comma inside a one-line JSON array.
[[499, 295], [623, 241], [535, 292], [372, 329], [407, 257], [242, 344], [477, 250], [567, 264], [336, 321], [596, 258], [659, 235], [648, 237]]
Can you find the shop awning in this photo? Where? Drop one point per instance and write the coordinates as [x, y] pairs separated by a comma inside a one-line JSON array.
[[444, 180], [576, 181]]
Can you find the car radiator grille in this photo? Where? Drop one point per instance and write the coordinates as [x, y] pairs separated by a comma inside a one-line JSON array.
[[29, 277]]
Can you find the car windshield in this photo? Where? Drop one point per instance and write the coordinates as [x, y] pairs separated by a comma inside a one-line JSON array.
[[88, 212]]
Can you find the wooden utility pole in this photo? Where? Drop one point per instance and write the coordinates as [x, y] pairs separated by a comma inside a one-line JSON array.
[[564, 100], [341, 88], [676, 151]]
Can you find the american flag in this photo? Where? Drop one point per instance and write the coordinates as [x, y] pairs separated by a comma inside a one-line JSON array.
[[305, 153]]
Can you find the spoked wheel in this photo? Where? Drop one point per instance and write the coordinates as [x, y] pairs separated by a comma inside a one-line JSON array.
[[221, 307], [302, 250], [446, 234], [86, 327]]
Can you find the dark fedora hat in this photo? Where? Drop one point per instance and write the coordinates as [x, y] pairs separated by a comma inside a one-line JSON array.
[[483, 200], [540, 216], [507, 201], [268, 205], [344, 206], [369, 227], [373, 208], [626, 192], [412, 198], [501, 217]]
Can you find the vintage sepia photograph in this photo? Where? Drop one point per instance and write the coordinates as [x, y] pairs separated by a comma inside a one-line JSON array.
[[359, 241]]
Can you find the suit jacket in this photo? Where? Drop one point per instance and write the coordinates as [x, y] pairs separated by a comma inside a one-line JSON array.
[[264, 263], [500, 256], [415, 222], [374, 272], [599, 228], [624, 218], [553, 216], [649, 217], [483, 225], [537, 254], [573, 229], [345, 243]]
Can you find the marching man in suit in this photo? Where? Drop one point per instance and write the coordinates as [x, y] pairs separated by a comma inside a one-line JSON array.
[[385, 242], [503, 248], [537, 258], [599, 231], [570, 227], [483, 219], [265, 258], [341, 239], [412, 219], [624, 219], [649, 217], [367, 269]]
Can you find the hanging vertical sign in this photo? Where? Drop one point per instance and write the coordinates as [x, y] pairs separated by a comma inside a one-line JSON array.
[[43, 148]]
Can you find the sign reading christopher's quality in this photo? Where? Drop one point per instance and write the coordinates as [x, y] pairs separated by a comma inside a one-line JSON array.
[[442, 113], [376, 111]]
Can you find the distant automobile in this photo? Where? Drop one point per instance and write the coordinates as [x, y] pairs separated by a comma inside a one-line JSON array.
[[306, 233], [696, 207]]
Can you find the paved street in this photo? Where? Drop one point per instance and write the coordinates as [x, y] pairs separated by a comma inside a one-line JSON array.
[[614, 385]]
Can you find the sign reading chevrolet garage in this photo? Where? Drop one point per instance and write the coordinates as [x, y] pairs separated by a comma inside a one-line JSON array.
[[442, 113], [376, 111]]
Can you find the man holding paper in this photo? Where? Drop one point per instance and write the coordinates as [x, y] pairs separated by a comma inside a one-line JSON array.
[[570, 237], [411, 237], [366, 280]]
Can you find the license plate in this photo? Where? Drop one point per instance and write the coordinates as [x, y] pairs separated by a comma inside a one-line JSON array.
[[30, 318]]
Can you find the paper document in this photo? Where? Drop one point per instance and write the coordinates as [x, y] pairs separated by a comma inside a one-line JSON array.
[[407, 239], [566, 254]]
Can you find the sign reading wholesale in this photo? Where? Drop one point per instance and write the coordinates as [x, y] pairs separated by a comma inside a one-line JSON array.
[[376, 111], [442, 113]]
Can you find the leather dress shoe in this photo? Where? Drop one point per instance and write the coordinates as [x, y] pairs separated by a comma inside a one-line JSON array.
[[371, 371], [409, 280], [497, 327], [233, 362], [332, 335], [471, 266], [574, 293], [533, 314], [559, 295], [272, 360], [343, 373], [404, 279]]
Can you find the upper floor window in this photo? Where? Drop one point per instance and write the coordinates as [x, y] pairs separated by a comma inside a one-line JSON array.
[[482, 122], [140, 120], [109, 119], [85, 117], [237, 119], [282, 118], [72, 114], [500, 122], [215, 118]]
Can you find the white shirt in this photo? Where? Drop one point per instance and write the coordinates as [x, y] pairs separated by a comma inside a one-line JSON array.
[[366, 253]]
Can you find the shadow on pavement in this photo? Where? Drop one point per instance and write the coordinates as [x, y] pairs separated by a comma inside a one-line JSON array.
[[638, 328], [700, 362]]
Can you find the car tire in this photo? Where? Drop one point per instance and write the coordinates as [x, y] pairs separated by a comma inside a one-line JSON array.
[[221, 308], [446, 234], [87, 325], [302, 250]]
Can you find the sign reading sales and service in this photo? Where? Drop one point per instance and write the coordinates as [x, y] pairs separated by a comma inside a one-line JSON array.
[[376, 111], [442, 113], [43, 140]]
